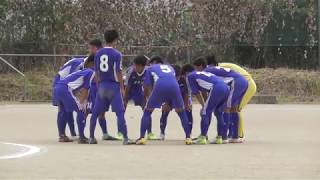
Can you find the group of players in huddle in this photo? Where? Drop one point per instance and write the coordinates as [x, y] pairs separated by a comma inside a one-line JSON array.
[[93, 84]]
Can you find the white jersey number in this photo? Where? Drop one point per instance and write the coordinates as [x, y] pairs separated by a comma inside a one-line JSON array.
[[104, 63], [205, 73], [165, 68], [225, 69]]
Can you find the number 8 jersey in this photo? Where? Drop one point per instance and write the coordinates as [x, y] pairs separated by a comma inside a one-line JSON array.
[[107, 63]]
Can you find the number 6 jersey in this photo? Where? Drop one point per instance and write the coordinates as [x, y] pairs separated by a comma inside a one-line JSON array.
[[107, 63]]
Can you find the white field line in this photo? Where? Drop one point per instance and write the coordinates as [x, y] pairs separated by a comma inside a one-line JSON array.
[[24, 150]]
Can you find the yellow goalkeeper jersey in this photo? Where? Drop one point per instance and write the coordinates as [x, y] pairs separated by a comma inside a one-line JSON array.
[[237, 68]]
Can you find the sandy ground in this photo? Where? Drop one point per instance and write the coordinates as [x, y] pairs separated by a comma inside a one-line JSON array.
[[282, 143]]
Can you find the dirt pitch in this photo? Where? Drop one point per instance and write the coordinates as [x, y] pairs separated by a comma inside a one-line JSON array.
[[282, 143]]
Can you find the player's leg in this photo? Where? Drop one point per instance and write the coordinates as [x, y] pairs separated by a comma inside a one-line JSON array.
[[62, 123], [145, 123], [60, 94], [81, 121], [101, 105], [190, 119], [118, 107], [215, 104], [155, 101], [251, 91], [240, 87], [103, 124], [176, 102], [163, 123], [70, 122]]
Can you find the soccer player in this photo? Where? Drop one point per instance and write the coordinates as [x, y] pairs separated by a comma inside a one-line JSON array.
[[155, 60], [187, 103], [250, 92], [218, 92], [71, 94], [110, 85], [238, 85], [93, 47], [134, 86], [69, 67], [160, 86]]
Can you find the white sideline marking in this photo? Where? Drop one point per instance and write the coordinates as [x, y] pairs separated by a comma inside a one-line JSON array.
[[24, 150]]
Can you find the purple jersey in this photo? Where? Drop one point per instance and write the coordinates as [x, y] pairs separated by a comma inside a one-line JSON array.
[[78, 80], [202, 81], [159, 71], [69, 67], [226, 74], [107, 63], [134, 79]]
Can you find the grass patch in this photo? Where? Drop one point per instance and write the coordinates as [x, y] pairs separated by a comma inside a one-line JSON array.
[[290, 86]]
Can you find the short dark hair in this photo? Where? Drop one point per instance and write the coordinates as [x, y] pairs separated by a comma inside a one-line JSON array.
[[111, 35], [200, 61], [177, 69], [187, 68], [96, 42], [89, 59], [211, 60], [156, 59], [140, 60]]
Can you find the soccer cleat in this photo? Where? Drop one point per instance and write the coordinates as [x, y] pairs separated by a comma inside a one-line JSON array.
[[65, 138], [92, 141], [188, 141], [162, 137], [107, 137], [119, 136], [236, 140], [219, 140], [202, 140], [141, 141], [83, 140], [196, 138], [152, 137], [127, 141]]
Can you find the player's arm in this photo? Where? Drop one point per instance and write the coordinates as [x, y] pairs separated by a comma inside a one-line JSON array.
[[119, 73], [147, 86], [119, 76], [204, 95], [199, 98], [193, 88]]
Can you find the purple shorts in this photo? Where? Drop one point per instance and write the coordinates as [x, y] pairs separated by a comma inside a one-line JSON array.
[[108, 93], [238, 88], [217, 99], [65, 98], [165, 91]]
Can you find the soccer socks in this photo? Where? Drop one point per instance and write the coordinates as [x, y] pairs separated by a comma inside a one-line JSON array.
[[185, 123], [149, 130], [145, 123], [234, 125], [70, 122], [190, 118], [222, 124], [103, 125], [81, 120], [204, 124], [61, 122], [163, 121], [122, 125], [93, 122], [241, 126]]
